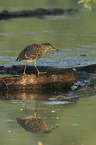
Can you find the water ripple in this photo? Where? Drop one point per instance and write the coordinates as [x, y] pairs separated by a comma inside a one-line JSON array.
[[7, 34]]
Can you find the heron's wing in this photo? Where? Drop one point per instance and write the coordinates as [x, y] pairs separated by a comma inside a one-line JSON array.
[[30, 52]]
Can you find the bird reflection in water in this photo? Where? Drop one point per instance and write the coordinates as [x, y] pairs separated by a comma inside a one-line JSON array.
[[34, 124]]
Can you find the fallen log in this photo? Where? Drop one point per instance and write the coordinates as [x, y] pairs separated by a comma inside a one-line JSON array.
[[50, 81], [40, 12], [85, 84]]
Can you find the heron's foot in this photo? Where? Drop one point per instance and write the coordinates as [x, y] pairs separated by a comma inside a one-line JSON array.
[[24, 73], [41, 72]]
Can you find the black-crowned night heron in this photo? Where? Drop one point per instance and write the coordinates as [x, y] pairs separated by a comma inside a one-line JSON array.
[[33, 52]]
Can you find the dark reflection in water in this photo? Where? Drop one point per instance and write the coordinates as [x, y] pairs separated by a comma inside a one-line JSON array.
[[60, 96], [34, 124]]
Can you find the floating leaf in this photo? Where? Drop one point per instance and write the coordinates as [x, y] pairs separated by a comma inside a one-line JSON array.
[[81, 1], [87, 3]]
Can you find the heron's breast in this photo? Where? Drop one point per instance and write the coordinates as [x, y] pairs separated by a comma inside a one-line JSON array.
[[28, 61]]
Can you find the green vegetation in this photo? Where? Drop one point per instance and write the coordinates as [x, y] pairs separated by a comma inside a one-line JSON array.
[[87, 3]]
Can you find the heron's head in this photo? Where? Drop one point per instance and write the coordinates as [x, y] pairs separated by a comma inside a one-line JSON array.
[[49, 47]]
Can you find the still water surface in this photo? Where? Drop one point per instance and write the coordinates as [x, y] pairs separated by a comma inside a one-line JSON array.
[[75, 36]]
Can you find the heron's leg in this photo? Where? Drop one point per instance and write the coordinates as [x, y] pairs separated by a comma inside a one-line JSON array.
[[37, 69], [35, 112], [25, 111], [25, 68]]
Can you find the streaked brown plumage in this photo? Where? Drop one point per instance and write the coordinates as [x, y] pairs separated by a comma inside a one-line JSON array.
[[33, 52]]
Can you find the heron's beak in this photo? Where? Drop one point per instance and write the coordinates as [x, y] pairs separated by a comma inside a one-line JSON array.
[[55, 49]]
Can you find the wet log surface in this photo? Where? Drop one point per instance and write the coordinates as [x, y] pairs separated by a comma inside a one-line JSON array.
[[54, 79], [40, 13], [49, 81], [85, 83]]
